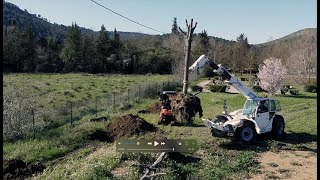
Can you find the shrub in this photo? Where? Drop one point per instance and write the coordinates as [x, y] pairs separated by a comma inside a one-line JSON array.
[[257, 88], [171, 86], [294, 91], [217, 88], [244, 79], [196, 88], [284, 90], [207, 72], [310, 88]]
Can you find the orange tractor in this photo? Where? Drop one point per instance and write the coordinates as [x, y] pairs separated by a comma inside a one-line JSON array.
[[166, 114]]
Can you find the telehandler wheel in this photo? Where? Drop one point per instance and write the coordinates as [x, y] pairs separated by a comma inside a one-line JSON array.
[[247, 133], [278, 128], [216, 132]]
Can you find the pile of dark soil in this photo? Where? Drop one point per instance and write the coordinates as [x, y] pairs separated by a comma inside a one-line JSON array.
[[129, 125], [186, 107], [17, 169], [155, 108], [123, 127]]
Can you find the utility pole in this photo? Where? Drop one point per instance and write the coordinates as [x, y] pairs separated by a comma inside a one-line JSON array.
[[188, 40]]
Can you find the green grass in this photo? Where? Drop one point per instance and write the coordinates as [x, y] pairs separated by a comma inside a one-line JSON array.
[[69, 154], [64, 87]]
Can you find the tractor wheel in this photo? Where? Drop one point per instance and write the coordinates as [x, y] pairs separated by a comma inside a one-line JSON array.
[[278, 128], [216, 132], [247, 133]]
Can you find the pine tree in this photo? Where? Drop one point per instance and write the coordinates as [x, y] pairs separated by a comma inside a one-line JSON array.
[[204, 42], [89, 61], [103, 49], [71, 52], [28, 50], [241, 50], [174, 29]]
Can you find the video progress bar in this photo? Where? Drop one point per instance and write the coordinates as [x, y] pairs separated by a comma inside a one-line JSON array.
[[150, 149]]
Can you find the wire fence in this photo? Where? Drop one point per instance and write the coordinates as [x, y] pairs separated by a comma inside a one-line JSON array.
[[25, 116]]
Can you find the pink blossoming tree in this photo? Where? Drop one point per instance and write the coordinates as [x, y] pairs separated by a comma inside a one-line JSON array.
[[271, 75]]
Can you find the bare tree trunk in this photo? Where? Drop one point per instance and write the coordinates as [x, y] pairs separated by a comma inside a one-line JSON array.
[[188, 37]]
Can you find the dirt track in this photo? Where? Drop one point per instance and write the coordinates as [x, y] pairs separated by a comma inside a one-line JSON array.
[[293, 165]]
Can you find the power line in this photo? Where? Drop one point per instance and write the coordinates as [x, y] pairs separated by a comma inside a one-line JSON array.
[[128, 18]]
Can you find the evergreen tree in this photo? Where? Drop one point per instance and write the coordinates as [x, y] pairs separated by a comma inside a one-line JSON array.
[[241, 50], [204, 42], [174, 29], [71, 52], [48, 56], [103, 49], [89, 61], [19, 48], [116, 43]]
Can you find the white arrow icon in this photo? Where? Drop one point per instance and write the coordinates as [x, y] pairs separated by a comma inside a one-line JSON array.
[[163, 143], [155, 143]]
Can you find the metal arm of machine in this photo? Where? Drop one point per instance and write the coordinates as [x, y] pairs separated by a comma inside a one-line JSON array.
[[236, 83]]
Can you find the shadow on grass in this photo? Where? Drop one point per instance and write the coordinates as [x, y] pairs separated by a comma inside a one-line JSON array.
[[291, 141], [299, 96], [182, 158]]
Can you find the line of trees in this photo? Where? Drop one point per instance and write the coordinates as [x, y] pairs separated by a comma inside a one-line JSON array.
[[81, 52], [102, 52]]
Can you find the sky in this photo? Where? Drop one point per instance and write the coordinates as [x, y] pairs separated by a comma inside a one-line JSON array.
[[259, 20]]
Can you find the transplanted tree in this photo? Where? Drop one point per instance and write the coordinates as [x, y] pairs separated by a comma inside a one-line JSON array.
[[271, 75]]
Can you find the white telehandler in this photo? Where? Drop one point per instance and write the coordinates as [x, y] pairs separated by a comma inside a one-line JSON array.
[[258, 115]]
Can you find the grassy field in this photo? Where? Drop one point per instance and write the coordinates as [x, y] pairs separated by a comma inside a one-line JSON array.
[[63, 87], [68, 153]]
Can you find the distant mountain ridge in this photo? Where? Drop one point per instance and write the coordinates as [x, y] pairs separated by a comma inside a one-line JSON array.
[[42, 27], [295, 35]]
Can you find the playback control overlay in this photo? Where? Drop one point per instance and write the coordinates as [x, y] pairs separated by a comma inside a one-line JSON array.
[[156, 145]]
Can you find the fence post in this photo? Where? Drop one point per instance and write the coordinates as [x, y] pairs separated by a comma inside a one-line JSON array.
[[71, 113], [128, 96], [96, 107], [114, 100], [34, 131], [139, 93]]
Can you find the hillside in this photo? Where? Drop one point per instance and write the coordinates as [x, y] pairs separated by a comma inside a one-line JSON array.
[[43, 27], [291, 37]]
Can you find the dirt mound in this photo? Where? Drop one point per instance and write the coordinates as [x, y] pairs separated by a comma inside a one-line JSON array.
[[186, 107], [129, 125], [155, 108], [123, 127], [17, 169]]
